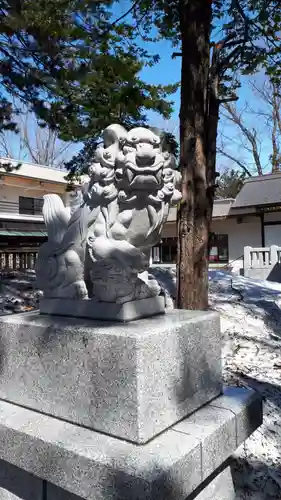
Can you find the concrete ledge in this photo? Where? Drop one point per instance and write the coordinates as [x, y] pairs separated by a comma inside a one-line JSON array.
[[16, 484], [131, 380], [219, 487], [105, 311], [94, 466]]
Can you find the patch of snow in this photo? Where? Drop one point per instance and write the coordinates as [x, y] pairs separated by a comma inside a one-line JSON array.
[[250, 313], [17, 292]]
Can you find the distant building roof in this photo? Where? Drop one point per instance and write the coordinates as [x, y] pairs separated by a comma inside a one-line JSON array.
[[35, 171], [259, 191]]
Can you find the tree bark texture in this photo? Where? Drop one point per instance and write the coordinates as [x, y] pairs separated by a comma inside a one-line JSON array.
[[197, 165]]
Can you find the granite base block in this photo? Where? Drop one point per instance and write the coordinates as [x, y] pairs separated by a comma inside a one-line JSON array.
[[94, 466], [221, 487], [131, 380], [248, 416], [130, 311]]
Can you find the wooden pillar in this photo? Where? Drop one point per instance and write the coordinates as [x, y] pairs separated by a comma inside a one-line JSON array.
[[28, 260], [262, 230], [14, 261], [21, 260]]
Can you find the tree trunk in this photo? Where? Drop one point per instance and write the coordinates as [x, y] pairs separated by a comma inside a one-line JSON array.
[[275, 157], [194, 213]]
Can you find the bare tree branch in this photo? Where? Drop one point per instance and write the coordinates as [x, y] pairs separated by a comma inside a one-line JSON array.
[[274, 158], [276, 106], [5, 149], [229, 99], [37, 144], [269, 94], [251, 135], [131, 9], [235, 160]]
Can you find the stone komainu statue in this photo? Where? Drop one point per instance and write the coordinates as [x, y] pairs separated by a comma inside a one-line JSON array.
[[102, 251]]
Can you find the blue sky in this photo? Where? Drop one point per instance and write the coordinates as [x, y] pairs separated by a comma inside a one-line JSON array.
[[167, 71]]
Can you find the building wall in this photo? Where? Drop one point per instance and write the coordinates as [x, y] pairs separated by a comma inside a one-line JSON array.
[[22, 233], [247, 233], [12, 193], [272, 217], [20, 250]]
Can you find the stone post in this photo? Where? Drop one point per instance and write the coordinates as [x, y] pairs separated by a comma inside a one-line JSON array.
[[274, 255], [247, 260]]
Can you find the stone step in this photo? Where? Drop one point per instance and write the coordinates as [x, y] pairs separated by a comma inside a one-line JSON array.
[[71, 460]]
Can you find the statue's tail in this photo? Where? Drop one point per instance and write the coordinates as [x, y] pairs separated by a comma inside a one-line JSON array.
[[56, 217]]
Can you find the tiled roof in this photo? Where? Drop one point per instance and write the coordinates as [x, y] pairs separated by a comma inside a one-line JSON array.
[[260, 191]]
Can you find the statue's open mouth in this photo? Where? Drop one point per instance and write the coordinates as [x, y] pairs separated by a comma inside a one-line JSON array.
[[144, 176]]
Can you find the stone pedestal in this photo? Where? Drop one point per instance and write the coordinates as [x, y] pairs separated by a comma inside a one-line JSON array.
[[140, 405], [49, 459], [105, 311], [131, 380]]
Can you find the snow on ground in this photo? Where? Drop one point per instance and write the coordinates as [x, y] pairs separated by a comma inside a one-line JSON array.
[[17, 293], [251, 333], [251, 329]]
